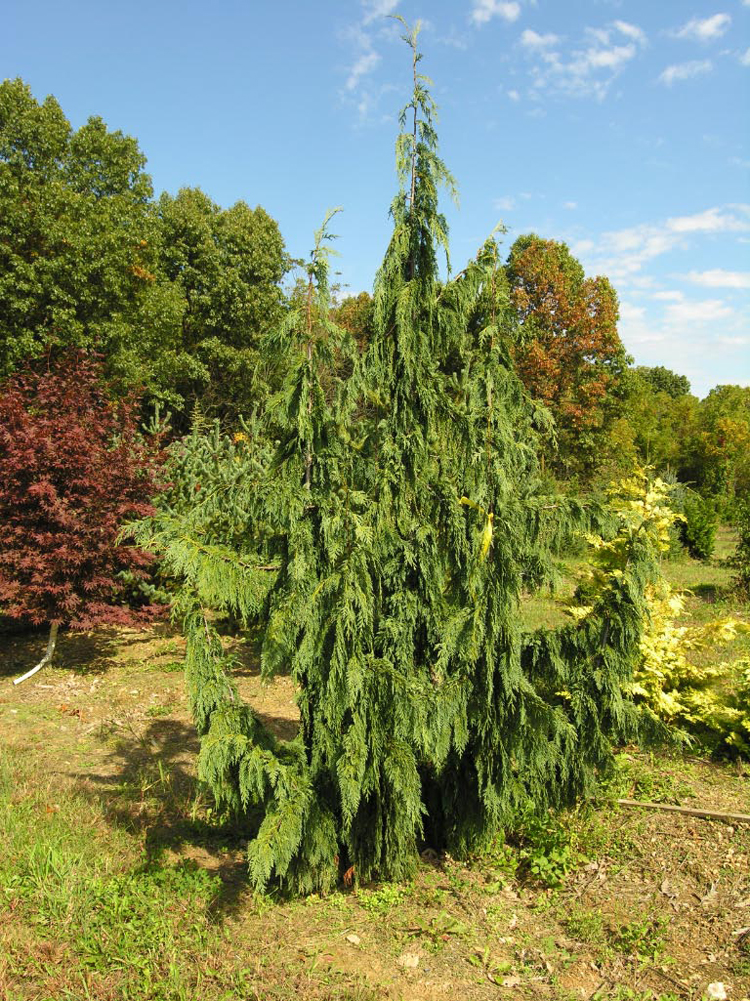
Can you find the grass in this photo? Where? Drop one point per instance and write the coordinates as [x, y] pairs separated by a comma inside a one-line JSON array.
[[119, 883], [93, 905], [91, 916]]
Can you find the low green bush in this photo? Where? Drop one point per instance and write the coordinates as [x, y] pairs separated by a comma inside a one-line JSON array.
[[698, 530]]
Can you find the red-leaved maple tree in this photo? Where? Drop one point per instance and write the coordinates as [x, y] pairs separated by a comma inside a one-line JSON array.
[[73, 470]]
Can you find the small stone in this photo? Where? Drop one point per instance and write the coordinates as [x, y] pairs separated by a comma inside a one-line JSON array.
[[716, 991], [409, 960], [354, 939]]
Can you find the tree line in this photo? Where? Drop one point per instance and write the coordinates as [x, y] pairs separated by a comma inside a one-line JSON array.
[[177, 293]]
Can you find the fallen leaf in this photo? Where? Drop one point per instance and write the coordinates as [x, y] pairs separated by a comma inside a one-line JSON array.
[[354, 939], [667, 889], [709, 897]]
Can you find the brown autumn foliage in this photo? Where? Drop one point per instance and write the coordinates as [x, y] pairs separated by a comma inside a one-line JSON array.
[[568, 353]]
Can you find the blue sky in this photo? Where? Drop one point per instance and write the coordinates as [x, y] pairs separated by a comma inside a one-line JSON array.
[[618, 126]]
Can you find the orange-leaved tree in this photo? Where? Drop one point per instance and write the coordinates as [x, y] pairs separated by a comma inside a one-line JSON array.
[[568, 352]]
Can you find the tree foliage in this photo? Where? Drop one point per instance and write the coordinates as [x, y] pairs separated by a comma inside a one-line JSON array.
[[568, 353], [717, 447], [175, 295], [664, 380], [73, 469], [75, 249], [383, 560], [222, 269], [708, 701], [740, 559]]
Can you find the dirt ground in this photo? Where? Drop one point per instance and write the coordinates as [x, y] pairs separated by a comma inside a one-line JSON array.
[[657, 904]]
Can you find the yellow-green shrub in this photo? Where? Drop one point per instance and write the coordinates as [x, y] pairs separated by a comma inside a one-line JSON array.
[[711, 702]]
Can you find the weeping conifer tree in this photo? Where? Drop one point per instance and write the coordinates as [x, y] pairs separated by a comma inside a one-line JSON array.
[[394, 531]]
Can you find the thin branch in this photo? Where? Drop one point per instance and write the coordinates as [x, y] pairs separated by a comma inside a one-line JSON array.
[[740, 818], [51, 644]]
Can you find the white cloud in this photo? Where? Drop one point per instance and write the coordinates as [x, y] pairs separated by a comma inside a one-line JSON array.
[[514, 95], [581, 247], [632, 31], [364, 65], [707, 336], [708, 311], [718, 278], [706, 30], [531, 40], [362, 38], [505, 204], [375, 9], [734, 342], [635, 327], [745, 59], [684, 71], [630, 313], [586, 69], [714, 220], [570, 205], [455, 39], [600, 35], [622, 254], [610, 58], [669, 296], [484, 10]]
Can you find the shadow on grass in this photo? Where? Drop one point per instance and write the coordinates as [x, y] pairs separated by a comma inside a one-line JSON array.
[[710, 593], [92, 653], [149, 787], [84, 653]]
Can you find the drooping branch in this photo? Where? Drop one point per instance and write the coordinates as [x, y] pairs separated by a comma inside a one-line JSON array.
[[309, 325], [415, 59]]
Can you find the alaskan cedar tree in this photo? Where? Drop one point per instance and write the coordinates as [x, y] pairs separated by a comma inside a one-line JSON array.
[[386, 546]]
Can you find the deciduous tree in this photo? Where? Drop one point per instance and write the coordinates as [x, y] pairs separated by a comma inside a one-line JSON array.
[[568, 353], [75, 232], [225, 267], [73, 469], [174, 296]]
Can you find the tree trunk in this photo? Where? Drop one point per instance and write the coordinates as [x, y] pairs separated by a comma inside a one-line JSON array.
[[47, 658]]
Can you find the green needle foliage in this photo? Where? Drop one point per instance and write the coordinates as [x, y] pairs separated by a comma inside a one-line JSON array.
[[385, 551]]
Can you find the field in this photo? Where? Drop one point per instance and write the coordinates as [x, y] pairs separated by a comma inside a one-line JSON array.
[[118, 882]]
